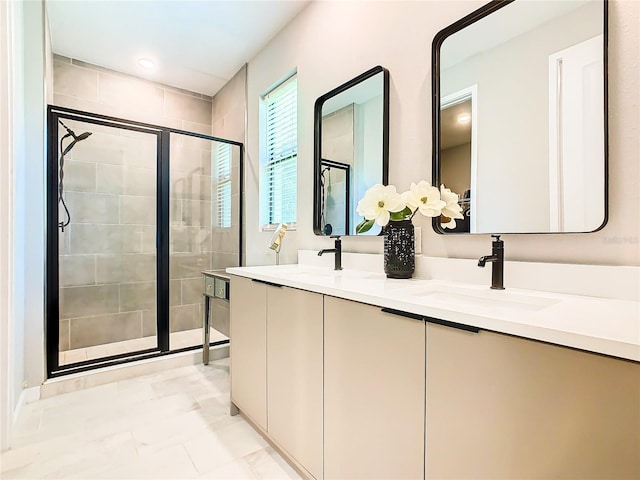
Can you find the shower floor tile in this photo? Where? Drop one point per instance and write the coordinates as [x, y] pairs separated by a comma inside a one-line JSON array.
[[177, 340], [173, 424]]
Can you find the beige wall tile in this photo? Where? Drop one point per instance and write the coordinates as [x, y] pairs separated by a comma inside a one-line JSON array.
[[196, 213], [175, 293], [186, 107], [61, 58], [98, 330], [100, 148], [109, 178], [189, 239], [137, 296], [77, 270], [206, 162], [149, 243], [225, 240], [184, 317], [190, 186], [84, 105], [140, 151], [192, 289], [126, 268], [139, 181], [228, 107], [92, 208], [64, 238], [188, 265], [136, 96], [235, 209], [79, 176], [205, 129], [138, 210], [124, 163], [85, 301], [75, 81], [223, 260], [189, 142], [101, 239], [149, 323], [175, 211], [187, 160], [63, 336]]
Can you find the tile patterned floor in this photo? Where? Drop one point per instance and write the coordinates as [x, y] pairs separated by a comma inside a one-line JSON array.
[[173, 424]]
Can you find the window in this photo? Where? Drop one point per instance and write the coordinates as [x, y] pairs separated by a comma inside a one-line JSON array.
[[279, 154], [222, 163]]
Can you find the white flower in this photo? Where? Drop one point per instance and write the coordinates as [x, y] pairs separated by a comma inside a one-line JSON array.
[[452, 209], [378, 201], [425, 198]]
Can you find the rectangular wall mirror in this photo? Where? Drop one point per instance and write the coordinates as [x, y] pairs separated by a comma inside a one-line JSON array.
[[351, 150], [520, 116]]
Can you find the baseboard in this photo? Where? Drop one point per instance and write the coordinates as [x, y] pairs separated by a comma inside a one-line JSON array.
[[28, 395]]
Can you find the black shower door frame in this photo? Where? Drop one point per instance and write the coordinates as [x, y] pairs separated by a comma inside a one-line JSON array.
[[52, 292]]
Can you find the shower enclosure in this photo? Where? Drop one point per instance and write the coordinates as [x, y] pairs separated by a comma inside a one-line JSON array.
[[135, 213]]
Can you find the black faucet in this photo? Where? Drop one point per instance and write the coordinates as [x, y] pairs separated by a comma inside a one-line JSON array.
[[497, 259], [337, 250]]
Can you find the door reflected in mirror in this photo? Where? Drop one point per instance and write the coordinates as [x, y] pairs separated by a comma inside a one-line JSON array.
[[351, 150], [520, 122]]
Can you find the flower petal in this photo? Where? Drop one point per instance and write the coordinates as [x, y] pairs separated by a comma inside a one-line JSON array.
[[450, 224], [383, 218]]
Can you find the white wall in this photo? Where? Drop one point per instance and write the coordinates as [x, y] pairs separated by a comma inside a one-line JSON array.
[[7, 95], [17, 357], [31, 200], [22, 251], [331, 42]]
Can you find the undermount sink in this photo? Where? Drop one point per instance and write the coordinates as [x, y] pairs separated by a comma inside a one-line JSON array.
[[481, 297]]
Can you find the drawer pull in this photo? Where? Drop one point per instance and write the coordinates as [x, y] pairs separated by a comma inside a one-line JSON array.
[[271, 284], [400, 313], [447, 323]]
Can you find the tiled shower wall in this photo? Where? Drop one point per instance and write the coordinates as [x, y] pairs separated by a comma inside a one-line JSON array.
[[107, 255], [337, 145]]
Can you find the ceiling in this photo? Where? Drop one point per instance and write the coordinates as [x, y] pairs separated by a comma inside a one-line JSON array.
[[509, 22], [195, 45]]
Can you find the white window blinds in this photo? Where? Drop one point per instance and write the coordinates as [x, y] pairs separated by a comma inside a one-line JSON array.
[[222, 163], [279, 169]]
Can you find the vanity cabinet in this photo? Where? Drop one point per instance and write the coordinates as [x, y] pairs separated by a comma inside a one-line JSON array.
[[276, 365], [505, 407], [294, 374], [248, 333], [374, 387]]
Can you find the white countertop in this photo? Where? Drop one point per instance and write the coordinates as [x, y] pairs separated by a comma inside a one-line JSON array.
[[601, 325]]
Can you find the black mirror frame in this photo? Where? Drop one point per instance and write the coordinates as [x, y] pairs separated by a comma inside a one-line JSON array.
[[317, 135], [436, 173]]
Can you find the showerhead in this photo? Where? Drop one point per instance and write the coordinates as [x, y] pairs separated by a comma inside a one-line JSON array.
[[76, 138], [82, 136]]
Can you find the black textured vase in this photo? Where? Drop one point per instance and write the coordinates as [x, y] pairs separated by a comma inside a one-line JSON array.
[[399, 249]]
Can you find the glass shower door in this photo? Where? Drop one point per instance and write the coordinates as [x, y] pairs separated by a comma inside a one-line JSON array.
[[107, 268], [204, 231]]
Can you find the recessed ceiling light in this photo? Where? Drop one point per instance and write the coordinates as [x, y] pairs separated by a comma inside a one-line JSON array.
[[464, 118], [146, 63]]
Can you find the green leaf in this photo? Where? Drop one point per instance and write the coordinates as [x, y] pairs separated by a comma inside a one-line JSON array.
[[364, 226], [401, 215]]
